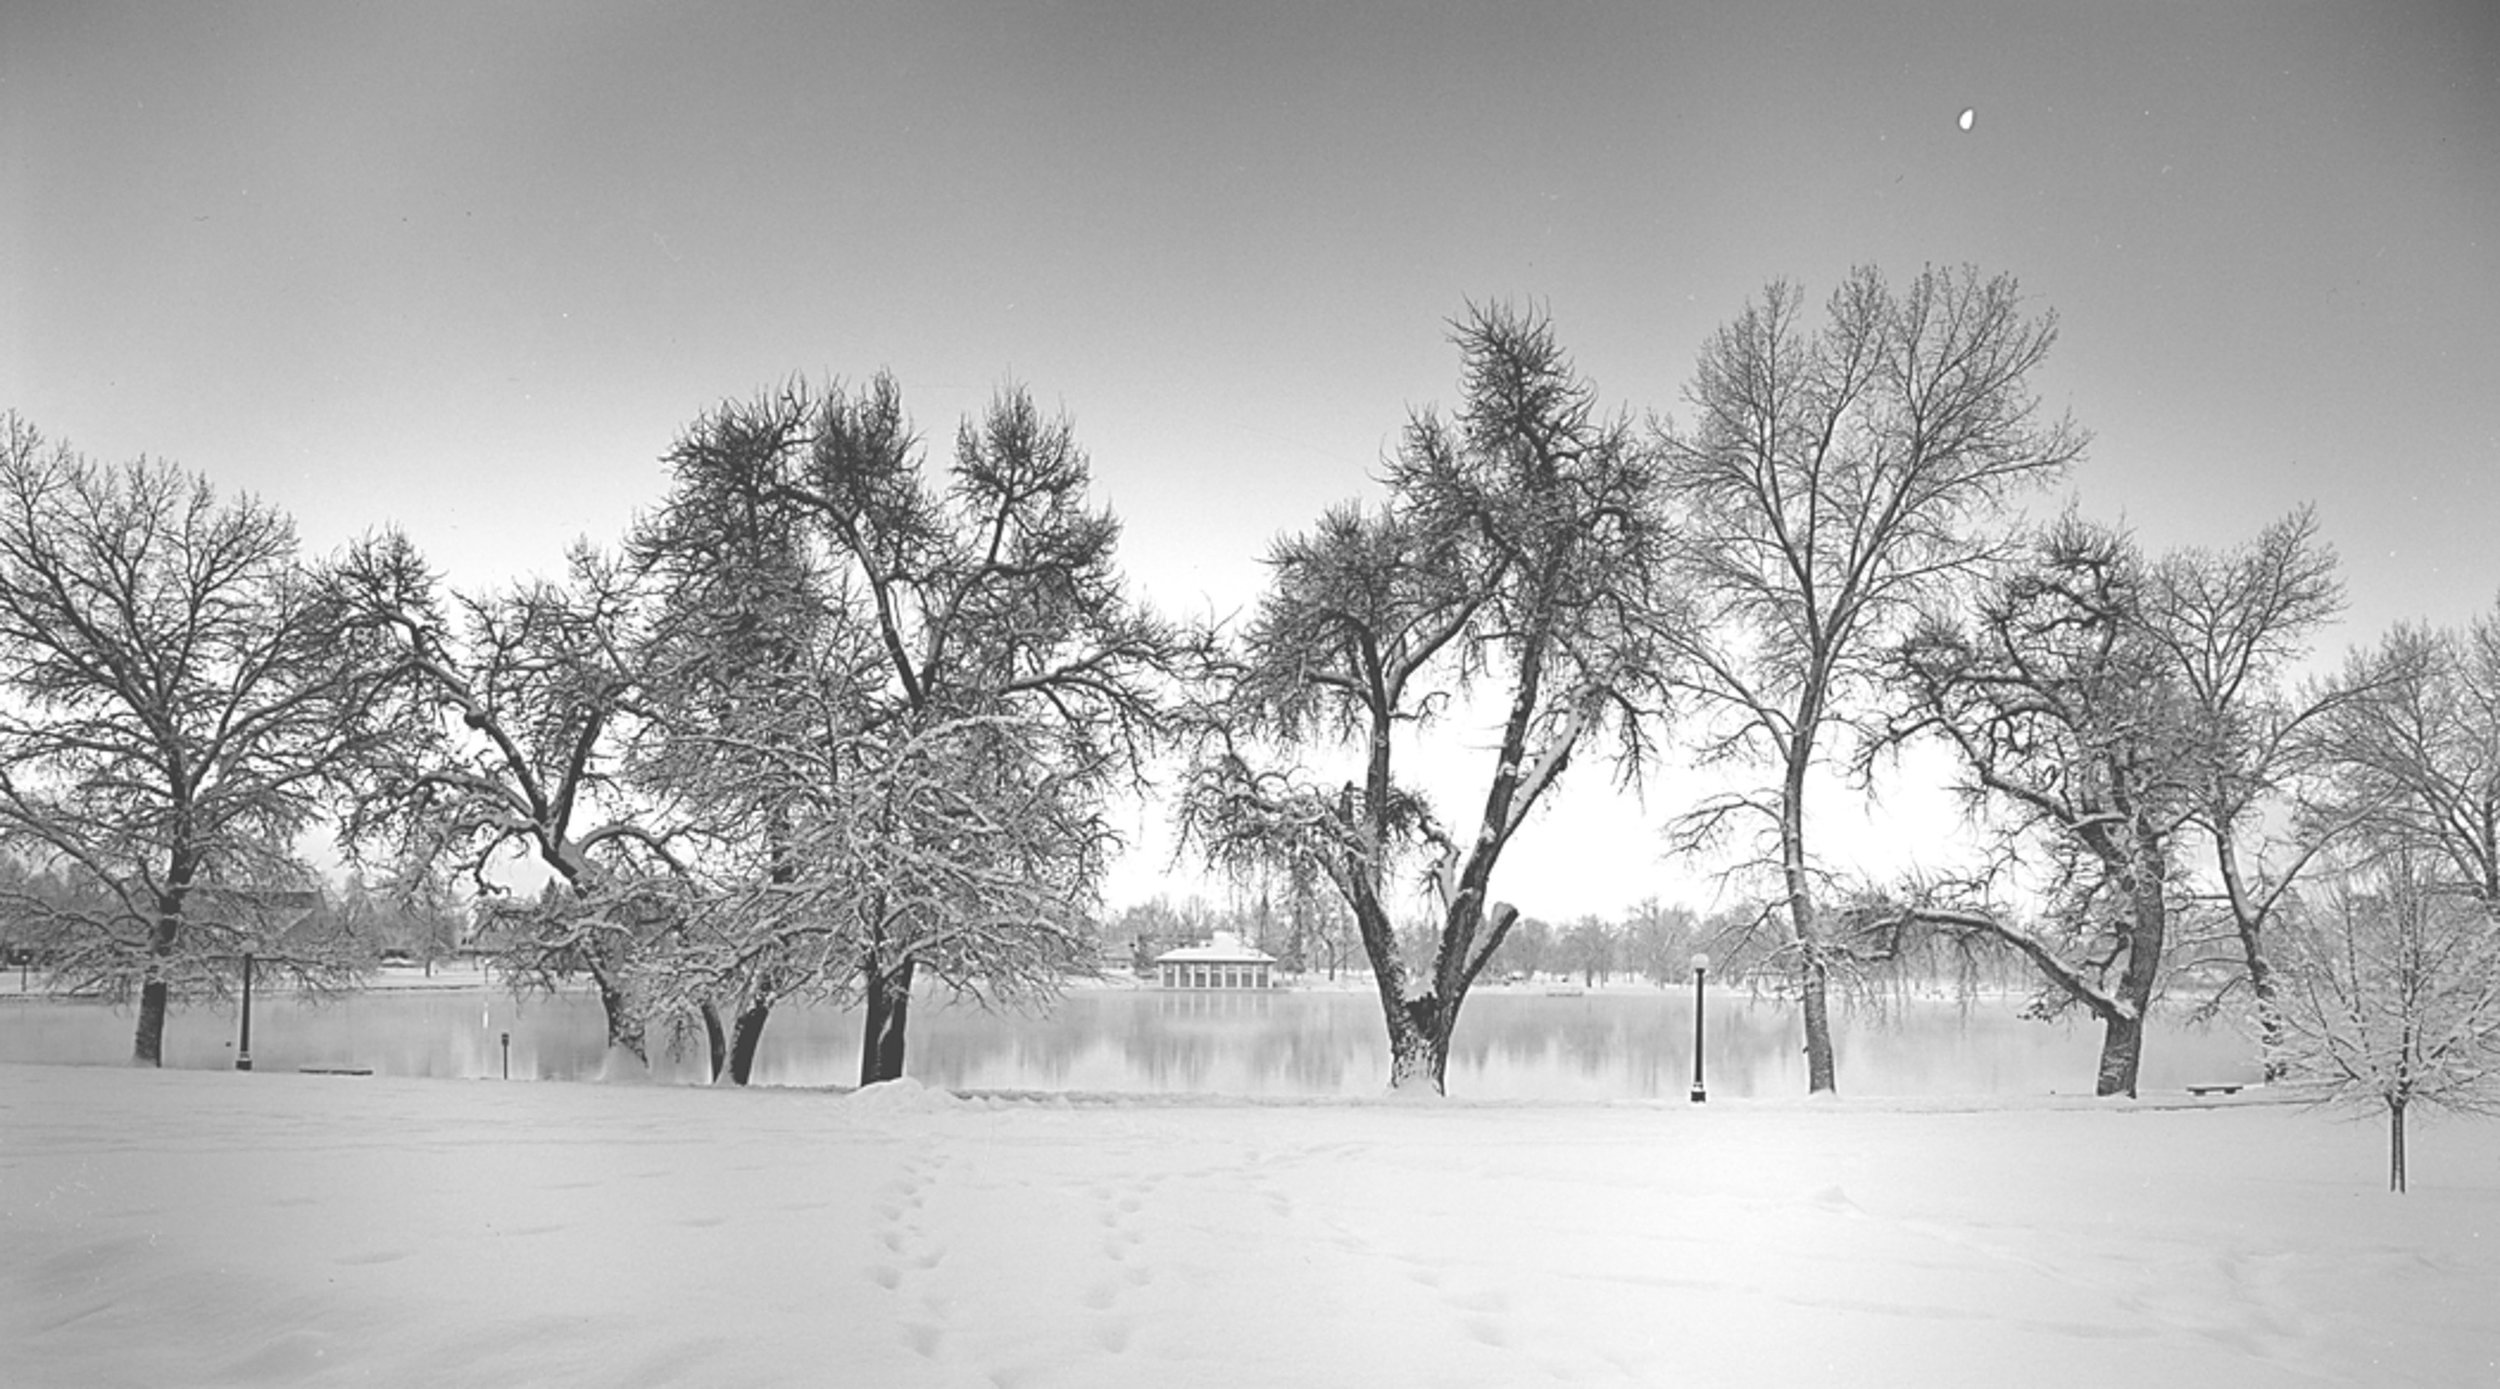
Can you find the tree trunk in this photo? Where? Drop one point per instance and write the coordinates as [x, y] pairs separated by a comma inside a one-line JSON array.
[[623, 1031], [1813, 975], [2122, 1052], [747, 1038], [2122, 1035], [2396, 1145], [2269, 1023], [1419, 1048], [749, 1028], [1822, 1076], [889, 1013], [2250, 925], [147, 1046], [715, 1041]]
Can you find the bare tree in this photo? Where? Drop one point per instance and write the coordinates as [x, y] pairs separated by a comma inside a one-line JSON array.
[[2079, 744], [1143, 930], [1833, 478], [999, 596], [1659, 941], [1517, 558], [2393, 995], [2414, 750], [177, 696], [865, 662], [2231, 622], [519, 709], [2110, 713], [1589, 947], [965, 841], [753, 665]]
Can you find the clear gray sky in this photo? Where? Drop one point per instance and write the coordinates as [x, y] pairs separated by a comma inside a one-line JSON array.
[[468, 268]]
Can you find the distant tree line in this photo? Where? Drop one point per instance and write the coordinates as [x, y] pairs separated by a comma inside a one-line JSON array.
[[837, 722]]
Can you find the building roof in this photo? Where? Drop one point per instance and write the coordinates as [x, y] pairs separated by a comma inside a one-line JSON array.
[[1225, 949]]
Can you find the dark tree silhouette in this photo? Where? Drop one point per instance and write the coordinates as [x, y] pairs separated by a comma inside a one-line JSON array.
[[1517, 559], [178, 694], [2105, 710], [896, 703], [1831, 480], [518, 710]]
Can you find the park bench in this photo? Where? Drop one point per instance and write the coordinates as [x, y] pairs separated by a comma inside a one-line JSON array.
[[2216, 1088]]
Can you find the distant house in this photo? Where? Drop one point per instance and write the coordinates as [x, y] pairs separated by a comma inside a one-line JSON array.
[[1222, 963]]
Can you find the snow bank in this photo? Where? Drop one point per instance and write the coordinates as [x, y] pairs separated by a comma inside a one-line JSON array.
[[199, 1227], [901, 1096]]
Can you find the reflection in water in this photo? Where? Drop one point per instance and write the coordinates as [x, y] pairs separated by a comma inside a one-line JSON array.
[[1511, 1044]]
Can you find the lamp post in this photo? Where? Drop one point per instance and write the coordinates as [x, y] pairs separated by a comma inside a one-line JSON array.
[[243, 1052], [1701, 967]]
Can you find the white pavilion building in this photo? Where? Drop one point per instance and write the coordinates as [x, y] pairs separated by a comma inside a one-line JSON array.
[[1224, 962]]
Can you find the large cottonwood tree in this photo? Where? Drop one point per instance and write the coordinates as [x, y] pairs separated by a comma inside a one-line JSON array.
[[1829, 478], [179, 693], [2078, 748], [993, 593], [755, 674], [517, 708], [1515, 567], [899, 701], [966, 842], [2113, 716]]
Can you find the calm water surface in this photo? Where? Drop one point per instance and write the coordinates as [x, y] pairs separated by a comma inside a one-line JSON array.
[[1513, 1043]]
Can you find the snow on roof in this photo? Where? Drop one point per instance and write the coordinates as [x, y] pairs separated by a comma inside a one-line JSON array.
[[1225, 949]]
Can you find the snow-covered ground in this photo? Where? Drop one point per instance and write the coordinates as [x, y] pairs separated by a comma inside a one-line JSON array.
[[163, 1228]]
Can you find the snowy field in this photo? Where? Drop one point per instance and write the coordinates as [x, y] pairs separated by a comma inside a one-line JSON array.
[[174, 1228]]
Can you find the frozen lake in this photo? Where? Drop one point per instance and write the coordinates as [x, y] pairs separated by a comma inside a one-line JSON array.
[[1513, 1043]]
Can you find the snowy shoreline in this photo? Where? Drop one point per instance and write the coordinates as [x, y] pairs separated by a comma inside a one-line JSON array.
[[185, 1226], [1119, 1039], [472, 977]]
